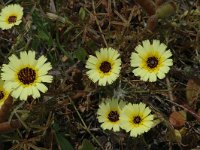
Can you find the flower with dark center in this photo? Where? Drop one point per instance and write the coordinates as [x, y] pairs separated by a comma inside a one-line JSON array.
[[10, 16], [109, 113], [136, 119], [151, 61], [12, 19], [113, 116], [25, 76], [105, 67]]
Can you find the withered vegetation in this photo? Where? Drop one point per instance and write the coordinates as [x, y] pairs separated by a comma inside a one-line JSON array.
[[67, 32]]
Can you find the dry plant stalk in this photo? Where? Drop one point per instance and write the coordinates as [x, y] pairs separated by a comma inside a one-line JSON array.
[[5, 108], [10, 126], [4, 113], [191, 111]]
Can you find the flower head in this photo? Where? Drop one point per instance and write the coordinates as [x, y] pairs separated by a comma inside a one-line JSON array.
[[109, 113], [10, 15], [151, 60], [24, 76], [3, 93], [105, 67], [136, 118]]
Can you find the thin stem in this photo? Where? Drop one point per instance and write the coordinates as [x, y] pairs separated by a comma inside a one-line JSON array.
[[84, 125], [22, 122], [97, 22], [15, 110]]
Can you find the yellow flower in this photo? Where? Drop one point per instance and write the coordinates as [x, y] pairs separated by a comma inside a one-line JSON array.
[[109, 112], [136, 118], [105, 67], [10, 15], [151, 60], [24, 76], [3, 93]]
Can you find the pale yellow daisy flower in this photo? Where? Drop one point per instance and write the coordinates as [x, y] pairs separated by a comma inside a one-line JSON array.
[[151, 60], [136, 118], [109, 112], [3, 93], [24, 76], [105, 67], [11, 15]]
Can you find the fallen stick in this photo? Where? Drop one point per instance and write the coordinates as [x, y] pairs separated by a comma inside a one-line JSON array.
[[10, 126]]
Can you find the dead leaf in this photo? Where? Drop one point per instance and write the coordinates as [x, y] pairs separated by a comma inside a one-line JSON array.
[[178, 119], [192, 90]]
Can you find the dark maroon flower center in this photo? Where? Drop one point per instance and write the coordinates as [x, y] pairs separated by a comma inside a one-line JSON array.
[[27, 75], [137, 120], [105, 67], [113, 116], [12, 19], [1, 95], [152, 62]]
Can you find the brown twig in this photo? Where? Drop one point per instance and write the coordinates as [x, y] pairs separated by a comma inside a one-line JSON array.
[[187, 108], [170, 89], [191, 111], [10, 126], [79, 94], [5, 108]]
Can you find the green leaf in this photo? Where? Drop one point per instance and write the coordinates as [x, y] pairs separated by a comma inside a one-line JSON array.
[[56, 127], [63, 142], [43, 36], [82, 13], [80, 54], [86, 145]]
